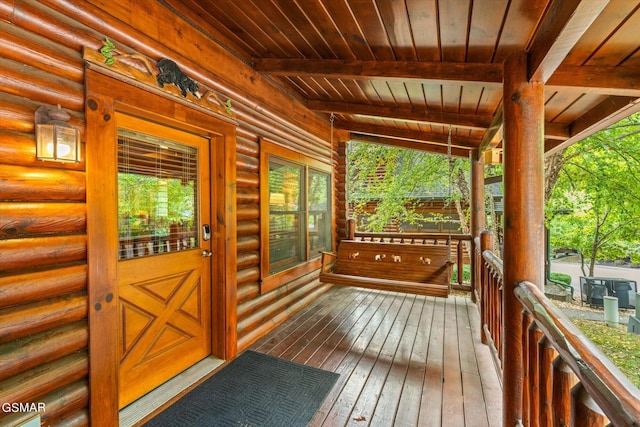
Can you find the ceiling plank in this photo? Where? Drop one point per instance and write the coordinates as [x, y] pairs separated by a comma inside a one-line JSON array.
[[408, 134], [620, 81], [460, 120], [386, 70], [412, 145], [562, 26]]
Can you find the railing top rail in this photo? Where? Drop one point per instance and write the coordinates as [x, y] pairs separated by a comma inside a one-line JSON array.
[[439, 236], [616, 395], [494, 261]]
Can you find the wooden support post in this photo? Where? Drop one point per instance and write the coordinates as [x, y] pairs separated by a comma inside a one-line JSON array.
[[478, 219], [351, 229], [523, 216], [339, 155], [486, 243]]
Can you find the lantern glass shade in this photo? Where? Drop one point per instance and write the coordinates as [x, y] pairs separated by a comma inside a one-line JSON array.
[[57, 141]]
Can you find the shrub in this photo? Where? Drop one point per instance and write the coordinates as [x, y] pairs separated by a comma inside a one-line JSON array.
[[466, 273], [561, 277]]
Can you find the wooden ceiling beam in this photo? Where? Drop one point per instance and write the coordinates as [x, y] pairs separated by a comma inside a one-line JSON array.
[[408, 134], [608, 112], [386, 70], [620, 81], [564, 22], [460, 120], [412, 145], [557, 131], [588, 79], [494, 128]]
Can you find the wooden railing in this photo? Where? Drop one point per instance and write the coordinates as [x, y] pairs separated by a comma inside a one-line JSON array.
[[566, 379], [457, 243], [490, 296]]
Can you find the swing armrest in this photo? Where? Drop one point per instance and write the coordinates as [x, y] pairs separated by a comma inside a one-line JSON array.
[[327, 261]]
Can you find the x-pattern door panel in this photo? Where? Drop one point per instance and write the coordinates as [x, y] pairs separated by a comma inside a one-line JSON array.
[[163, 323]]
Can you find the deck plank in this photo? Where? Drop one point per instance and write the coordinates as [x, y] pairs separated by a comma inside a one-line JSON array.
[[371, 392], [348, 351], [403, 360], [491, 385], [409, 407], [431, 403], [321, 342], [360, 362], [452, 404], [475, 413], [276, 343], [389, 400]]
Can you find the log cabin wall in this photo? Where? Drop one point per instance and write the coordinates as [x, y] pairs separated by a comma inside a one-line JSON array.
[[43, 270]]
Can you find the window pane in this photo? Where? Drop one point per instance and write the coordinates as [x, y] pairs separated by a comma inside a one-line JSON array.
[[287, 243], [285, 183], [319, 212], [157, 195]]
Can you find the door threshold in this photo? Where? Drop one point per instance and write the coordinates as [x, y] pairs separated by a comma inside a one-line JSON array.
[[138, 411]]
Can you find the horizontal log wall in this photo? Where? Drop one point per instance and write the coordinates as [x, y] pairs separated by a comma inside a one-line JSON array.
[[257, 314], [43, 271]]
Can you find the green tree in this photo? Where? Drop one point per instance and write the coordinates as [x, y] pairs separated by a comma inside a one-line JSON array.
[[594, 206], [396, 178]]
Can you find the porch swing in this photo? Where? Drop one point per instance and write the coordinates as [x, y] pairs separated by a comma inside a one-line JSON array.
[[409, 265]]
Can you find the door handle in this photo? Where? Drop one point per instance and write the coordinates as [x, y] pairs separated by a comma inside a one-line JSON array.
[[206, 253]]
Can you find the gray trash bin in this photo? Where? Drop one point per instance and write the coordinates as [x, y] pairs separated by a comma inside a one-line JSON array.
[[597, 292], [622, 290]]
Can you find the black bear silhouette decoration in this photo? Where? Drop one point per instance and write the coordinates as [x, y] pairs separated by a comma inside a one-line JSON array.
[[171, 73]]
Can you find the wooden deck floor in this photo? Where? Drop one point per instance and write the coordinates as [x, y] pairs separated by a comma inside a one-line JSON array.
[[403, 360]]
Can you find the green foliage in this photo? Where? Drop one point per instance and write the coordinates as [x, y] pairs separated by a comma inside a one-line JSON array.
[[595, 204], [140, 197], [560, 277], [395, 178], [466, 273]]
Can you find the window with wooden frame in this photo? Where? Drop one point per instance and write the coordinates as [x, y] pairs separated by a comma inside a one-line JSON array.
[[296, 214]]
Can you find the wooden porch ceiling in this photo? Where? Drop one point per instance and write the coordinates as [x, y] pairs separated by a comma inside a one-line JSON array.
[[402, 72]]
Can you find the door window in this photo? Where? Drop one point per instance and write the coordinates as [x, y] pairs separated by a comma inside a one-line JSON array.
[[157, 195]]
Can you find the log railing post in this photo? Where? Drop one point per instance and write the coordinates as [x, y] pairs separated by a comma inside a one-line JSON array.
[[563, 379], [486, 243], [478, 218], [351, 229], [534, 334], [460, 262], [546, 356], [523, 216]]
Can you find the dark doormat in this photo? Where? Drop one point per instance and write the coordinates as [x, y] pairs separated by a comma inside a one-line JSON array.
[[254, 389]]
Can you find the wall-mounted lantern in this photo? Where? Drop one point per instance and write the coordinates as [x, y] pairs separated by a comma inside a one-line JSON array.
[[56, 140]]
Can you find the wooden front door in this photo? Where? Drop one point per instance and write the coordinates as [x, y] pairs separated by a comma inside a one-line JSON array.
[[164, 267]]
